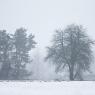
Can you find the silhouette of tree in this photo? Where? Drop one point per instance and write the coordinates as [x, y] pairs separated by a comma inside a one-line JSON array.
[[22, 45], [5, 50], [71, 48]]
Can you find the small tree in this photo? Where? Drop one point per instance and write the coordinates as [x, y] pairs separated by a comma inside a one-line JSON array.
[[22, 45], [71, 48]]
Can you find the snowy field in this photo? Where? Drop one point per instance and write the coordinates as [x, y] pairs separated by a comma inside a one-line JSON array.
[[47, 88]]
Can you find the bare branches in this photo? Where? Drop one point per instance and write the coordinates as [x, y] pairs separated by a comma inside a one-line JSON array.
[[71, 47]]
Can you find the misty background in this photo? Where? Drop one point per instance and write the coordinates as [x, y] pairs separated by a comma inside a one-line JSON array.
[[42, 18]]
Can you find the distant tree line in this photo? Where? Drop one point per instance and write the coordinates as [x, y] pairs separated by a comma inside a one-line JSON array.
[[71, 49], [14, 54]]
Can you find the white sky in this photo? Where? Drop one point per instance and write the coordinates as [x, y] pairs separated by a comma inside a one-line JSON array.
[[43, 17]]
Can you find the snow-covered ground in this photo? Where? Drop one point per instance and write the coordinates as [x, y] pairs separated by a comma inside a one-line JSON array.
[[47, 88]]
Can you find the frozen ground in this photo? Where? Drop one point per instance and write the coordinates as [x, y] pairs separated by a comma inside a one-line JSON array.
[[47, 88]]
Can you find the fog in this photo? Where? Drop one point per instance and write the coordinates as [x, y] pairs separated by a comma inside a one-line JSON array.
[[41, 70], [42, 18]]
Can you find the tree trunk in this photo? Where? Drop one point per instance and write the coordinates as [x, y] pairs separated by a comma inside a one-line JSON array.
[[4, 71], [71, 73]]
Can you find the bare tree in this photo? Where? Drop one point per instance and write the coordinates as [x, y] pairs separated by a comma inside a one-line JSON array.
[[71, 48]]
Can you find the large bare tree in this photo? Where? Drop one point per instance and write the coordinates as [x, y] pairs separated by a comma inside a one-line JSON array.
[[71, 48]]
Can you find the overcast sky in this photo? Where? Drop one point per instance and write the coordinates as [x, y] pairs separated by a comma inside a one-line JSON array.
[[43, 17]]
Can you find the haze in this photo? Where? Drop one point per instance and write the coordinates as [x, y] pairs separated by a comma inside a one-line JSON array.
[[43, 17]]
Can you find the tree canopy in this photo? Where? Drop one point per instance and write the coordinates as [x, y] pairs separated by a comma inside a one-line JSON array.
[[71, 48], [14, 53]]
